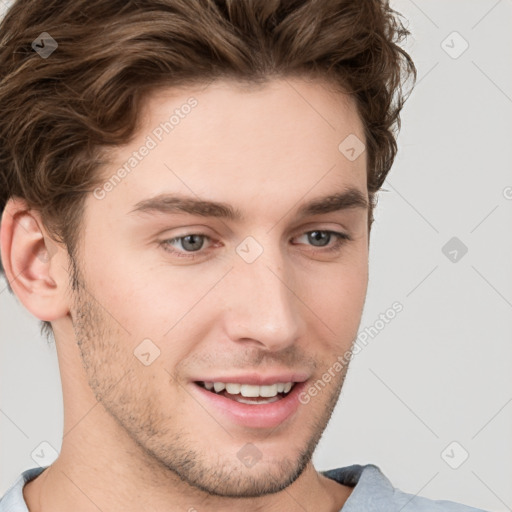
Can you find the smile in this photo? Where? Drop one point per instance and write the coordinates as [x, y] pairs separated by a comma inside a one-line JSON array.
[[249, 393], [262, 406]]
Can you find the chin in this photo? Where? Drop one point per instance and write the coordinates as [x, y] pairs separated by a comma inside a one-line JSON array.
[[253, 482]]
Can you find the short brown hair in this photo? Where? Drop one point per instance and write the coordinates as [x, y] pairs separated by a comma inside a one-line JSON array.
[[59, 113]]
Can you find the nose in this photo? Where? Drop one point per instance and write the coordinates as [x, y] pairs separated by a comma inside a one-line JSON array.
[[262, 306]]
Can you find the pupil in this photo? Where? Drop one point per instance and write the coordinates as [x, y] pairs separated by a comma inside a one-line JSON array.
[[193, 247], [323, 235]]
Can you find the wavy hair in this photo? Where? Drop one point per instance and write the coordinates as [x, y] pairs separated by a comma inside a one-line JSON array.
[[59, 114]]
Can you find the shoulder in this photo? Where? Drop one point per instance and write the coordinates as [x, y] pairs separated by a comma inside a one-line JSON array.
[[374, 492], [12, 500]]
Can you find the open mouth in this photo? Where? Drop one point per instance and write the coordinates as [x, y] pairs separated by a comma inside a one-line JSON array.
[[248, 393]]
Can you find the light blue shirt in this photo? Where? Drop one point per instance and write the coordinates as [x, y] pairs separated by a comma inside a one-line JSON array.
[[372, 492]]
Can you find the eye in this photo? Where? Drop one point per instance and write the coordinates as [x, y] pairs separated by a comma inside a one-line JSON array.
[[192, 243], [323, 237]]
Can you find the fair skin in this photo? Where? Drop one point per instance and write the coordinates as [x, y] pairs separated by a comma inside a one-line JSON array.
[[144, 437]]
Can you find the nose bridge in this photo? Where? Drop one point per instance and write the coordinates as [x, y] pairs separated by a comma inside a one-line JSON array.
[[262, 304]]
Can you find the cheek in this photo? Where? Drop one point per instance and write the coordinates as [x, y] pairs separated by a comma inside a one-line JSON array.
[[337, 299], [146, 301]]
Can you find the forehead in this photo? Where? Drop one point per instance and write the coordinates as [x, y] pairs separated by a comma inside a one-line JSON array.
[[283, 99], [230, 140]]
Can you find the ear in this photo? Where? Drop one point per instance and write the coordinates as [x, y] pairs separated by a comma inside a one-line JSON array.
[[35, 265]]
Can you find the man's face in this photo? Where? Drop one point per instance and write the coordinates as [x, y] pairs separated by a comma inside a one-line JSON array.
[[271, 297]]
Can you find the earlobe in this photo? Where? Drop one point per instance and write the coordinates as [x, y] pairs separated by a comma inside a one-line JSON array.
[[31, 262]]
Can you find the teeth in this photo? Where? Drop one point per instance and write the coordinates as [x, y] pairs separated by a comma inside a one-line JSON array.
[[268, 391], [232, 389], [218, 386], [249, 390], [253, 402]]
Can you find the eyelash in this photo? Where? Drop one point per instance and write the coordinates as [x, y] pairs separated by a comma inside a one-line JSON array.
[[341, 238]]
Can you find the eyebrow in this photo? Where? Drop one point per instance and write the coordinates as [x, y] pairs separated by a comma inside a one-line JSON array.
[[177, 203]]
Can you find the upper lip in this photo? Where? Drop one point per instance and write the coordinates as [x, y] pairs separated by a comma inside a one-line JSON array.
[[257, 379]]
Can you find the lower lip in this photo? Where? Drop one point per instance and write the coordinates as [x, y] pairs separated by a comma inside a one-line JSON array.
[[258, 415]]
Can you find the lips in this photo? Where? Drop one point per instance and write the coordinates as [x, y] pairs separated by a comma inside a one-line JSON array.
[[252, 411]]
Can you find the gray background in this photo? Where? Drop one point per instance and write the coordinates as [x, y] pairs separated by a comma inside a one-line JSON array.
[[441, 370]]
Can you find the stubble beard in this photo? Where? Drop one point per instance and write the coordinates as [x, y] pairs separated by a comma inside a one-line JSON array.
[[119, 392]]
